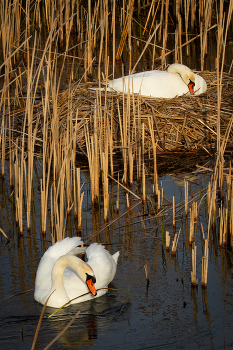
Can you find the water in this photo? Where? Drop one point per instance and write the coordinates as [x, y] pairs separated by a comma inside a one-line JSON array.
[[168, 314]]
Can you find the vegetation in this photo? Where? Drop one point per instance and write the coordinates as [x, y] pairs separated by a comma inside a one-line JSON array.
[[54, 58]]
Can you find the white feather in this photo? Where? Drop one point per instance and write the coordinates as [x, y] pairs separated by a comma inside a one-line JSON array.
[[160, 84], [98, 262]]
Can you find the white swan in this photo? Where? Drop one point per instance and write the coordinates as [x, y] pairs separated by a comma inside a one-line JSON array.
[[176, 81], [68, 276]]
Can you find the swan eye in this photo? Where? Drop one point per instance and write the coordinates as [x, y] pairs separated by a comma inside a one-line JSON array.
[[191, 86], [89, 277]]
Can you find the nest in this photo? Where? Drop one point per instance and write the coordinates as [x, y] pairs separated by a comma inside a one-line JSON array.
[[183, 123], [187, 124]]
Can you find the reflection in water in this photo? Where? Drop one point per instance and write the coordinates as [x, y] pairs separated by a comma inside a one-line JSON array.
[[94, 319], [205, 305], [195, 303]]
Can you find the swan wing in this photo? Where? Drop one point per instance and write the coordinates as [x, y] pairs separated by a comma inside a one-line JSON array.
[[43, 282], [160, 84], [200, 85], [103, 264]]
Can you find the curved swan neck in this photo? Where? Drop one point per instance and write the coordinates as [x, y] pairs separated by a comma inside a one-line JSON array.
[[79, 266], [185, 72], [60, 296]]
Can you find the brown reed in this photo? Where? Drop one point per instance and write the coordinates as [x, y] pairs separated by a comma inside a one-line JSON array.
[[174, 212], [168, 238], [146, 267], [194, 280], [79, 200], [192, 221], [205, 264], [175, 242]]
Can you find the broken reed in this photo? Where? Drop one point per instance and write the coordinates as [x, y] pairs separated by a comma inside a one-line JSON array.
[[168, 238], [193, 219], [194, 280], [205, 264], [175, 242]]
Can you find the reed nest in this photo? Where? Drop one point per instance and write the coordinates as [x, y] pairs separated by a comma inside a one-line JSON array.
[[183, 125]]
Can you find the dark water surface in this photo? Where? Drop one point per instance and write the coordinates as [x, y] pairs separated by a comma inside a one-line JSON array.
[[168, 314]]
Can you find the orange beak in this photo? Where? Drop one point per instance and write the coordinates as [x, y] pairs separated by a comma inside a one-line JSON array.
[[191, 87], [91, 286]]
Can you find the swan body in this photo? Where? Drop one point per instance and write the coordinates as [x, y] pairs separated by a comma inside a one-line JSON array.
[[176, 81], [67, 276]]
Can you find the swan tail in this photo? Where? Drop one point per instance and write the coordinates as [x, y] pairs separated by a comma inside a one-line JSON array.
[[116, 256]]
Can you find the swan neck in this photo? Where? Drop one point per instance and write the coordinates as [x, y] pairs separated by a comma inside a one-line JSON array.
[[185, 73], [79, 266]]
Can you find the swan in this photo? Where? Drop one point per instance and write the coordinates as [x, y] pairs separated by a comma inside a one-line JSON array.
[[176, 81], [67, 276]]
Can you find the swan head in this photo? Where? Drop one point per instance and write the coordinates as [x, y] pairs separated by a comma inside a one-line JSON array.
[[186, 74], [191, 85], [90, 282]]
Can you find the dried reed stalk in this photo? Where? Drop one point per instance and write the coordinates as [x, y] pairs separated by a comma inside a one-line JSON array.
[[191, 229], [19, 199], [154, 146], [93, 159], [146, 267], [168, 238], [205, 264], [159, 200], [175, 242], [186, 197], [3, 143], [125, 30], [117, 201], [105, 183], [131, 161], [79, 200], [4, 234], [194, 280], [143, 183], [127, 201], [174, 212]]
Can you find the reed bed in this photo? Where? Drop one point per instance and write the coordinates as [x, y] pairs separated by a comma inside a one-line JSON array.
[[83, 126], [181, 124], [186, 123]]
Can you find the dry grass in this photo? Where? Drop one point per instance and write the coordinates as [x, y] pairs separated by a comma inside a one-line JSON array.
[[184, 123]]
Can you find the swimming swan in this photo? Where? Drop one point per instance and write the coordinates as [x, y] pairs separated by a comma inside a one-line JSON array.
[[176, 81], [68, 276]]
